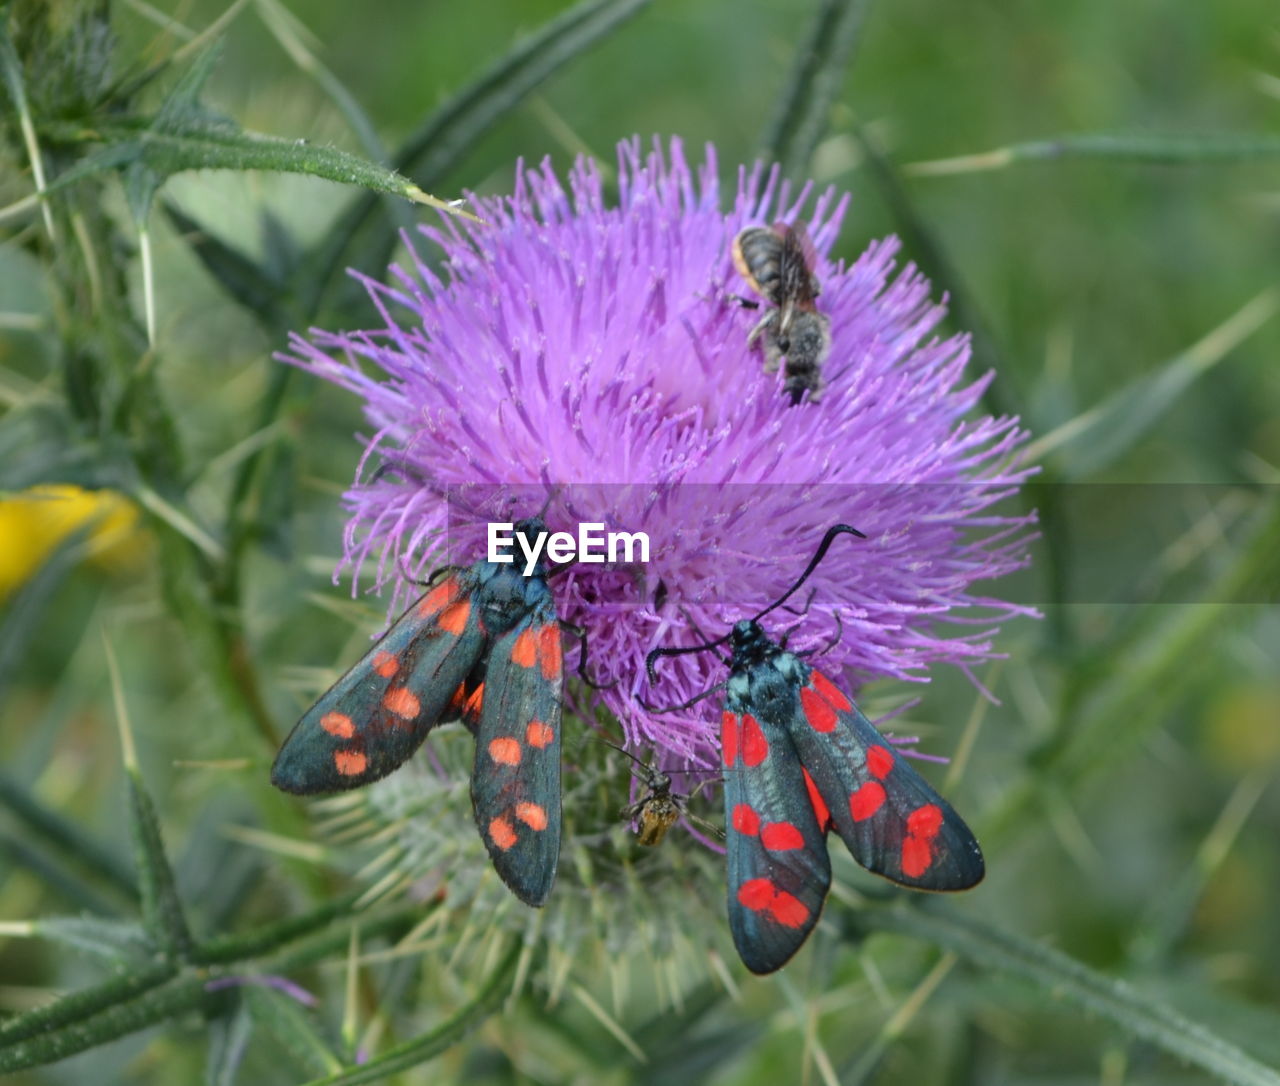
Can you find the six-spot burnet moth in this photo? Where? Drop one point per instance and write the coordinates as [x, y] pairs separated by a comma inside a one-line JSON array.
[[482, 645], [799, 760]]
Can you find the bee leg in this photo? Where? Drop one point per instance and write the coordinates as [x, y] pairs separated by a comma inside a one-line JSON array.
[[761, 326]]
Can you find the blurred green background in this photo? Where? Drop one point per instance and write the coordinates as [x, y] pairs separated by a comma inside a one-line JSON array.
[[1123, 787]]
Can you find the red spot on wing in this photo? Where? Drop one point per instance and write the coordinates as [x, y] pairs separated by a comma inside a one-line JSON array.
[[501, 833], [525, 651], [868, 799], [788, 910], [925, 821], [830, 691], [338, 724], [728, 739], [453, 619], [745, 819], [761, 896], [879, 762], [532, 815], [817, 711], [435, 600], [550, 653], [538, 734], [917, 855], [781, 836], [755, 894], [402, 701], [385, 664], [350, 763], [923, 825], [819, 805], [504, 750], [755, 749]]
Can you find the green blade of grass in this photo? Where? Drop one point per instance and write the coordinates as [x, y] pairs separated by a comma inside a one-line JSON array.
[[291, 1026], [449, 132], [1116, 1001], [1134, 147], [420, 1049], [1096, 438]]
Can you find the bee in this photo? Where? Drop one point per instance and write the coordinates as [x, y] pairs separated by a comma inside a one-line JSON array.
[[776, 261]]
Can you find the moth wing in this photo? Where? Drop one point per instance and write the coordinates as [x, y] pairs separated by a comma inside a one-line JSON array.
[[515, 785], [373, 718], [778, 868], [890, 817]]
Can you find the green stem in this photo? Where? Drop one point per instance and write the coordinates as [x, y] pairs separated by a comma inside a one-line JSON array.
[[167, 1001], [235, 948], [1135, 147], [802, 115], [84, 1003]]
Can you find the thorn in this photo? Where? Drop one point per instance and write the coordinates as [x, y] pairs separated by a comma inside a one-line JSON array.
[[128, 751]]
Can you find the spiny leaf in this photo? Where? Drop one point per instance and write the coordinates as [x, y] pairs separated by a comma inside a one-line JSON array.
[[180, 109], [166, 1001], [162, 908], [84, 1003], [202, 145]]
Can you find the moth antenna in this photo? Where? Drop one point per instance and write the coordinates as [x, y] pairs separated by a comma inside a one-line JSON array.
[[581, 634], [823, 547], [685, 705]]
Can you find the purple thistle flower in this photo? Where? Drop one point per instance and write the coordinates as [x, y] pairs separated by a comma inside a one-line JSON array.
[[595, 357]]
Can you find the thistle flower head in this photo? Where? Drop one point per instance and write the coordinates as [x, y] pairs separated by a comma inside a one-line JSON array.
[[592, 357]]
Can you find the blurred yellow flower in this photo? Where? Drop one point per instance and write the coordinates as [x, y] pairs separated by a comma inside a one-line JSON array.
[[35, 521]]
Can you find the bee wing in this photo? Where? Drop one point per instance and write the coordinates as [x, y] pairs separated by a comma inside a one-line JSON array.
[[778, 867], [515, 785], [374, 717], [796, 281], [891, 819]]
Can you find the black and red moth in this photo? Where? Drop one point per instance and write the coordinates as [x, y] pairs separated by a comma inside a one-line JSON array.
[[482, 645], [800, 759]]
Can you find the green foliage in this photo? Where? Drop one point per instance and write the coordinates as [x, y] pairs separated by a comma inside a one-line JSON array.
[[1124, 790]]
